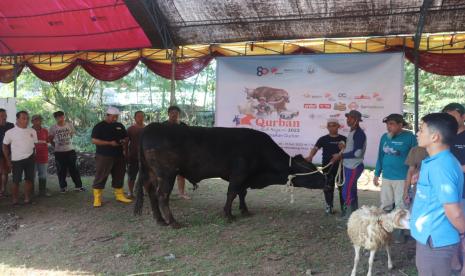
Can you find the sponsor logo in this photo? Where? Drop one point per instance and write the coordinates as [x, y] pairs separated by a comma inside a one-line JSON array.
[[353, 105], [310, 106], [324, 106], [362, 97], [262, 71], [335, 115], [340, 106], [342, 95], [310, 69], [371, 106]]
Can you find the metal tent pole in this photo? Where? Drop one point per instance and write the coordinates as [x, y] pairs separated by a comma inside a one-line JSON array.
[[421, 23], [15, 76], [173, 79]]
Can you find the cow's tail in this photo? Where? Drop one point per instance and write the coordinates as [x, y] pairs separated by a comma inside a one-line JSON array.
[[142, 177]]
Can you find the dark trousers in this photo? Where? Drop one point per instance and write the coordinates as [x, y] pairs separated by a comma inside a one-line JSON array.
[[106, 165], [66, 162], [329, 189]]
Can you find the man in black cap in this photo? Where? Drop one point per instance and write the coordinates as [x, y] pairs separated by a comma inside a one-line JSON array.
[[394, 147], [352, 160]]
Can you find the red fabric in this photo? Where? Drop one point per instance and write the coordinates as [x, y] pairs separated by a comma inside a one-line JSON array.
[[440, 64], [109, 72], [7, 76], [29, 26], [184, 70], [42, 148], [52, 75]]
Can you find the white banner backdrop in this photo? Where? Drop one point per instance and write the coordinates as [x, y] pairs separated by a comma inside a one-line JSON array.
[[292, 97], [9, 104]]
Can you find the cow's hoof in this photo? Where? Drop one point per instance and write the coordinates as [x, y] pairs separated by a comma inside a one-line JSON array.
[[176, 225], [230, 218], [162, 223], [246, 213]]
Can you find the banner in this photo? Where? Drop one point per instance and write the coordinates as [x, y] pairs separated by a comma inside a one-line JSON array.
[[291, 97], [9, 104]]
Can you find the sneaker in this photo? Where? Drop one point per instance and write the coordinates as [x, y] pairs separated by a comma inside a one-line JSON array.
[[80, 189], [62, 190], [328, 210]]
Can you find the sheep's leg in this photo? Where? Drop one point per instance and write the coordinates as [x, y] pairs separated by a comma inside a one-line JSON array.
[[370, 261], [388, 251], [356, 258]]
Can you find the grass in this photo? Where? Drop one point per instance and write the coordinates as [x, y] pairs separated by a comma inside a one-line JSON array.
[[65, 234]]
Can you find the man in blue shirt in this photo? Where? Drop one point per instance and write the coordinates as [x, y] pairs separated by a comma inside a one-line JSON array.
[[437, 221], [394, 147], [352, 160]]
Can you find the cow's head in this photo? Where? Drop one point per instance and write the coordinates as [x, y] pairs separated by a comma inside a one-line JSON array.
[[315, 180]]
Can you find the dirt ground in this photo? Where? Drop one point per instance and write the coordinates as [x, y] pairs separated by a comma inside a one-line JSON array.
[[65, 235]]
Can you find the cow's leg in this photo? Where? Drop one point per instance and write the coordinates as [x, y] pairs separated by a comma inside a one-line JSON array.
[[242, 205], [165, 186], [232, 193], [155, 207]]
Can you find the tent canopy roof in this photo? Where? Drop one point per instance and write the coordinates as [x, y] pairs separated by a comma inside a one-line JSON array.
[[104, 25], [209, 21]]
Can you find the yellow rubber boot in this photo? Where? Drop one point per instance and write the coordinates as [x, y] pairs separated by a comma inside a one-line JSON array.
[[119, 195], [97, 197]]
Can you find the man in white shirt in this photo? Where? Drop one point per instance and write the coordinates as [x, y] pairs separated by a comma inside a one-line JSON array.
[[21, 140]]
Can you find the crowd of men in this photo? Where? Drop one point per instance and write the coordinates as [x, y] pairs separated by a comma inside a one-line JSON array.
[[25, 151], [423, 173]]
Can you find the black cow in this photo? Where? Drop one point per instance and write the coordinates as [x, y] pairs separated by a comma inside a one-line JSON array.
[[245, 157]]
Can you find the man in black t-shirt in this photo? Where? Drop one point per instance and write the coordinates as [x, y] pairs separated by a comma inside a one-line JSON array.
[[457, 146], [4, 126], [110, 138], [173, 119], [331, 144]]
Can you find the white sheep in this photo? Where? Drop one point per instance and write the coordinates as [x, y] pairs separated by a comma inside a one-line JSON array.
[[371, 228]]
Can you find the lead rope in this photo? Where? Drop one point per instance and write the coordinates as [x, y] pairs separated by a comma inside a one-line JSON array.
[[289, 187]]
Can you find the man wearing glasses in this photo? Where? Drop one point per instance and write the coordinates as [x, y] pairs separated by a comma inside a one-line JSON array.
[[331, 144]]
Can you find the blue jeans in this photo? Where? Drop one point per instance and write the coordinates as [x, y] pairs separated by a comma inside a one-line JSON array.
[[41, 170]]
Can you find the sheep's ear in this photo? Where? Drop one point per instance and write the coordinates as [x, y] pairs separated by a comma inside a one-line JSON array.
[[401, 219]]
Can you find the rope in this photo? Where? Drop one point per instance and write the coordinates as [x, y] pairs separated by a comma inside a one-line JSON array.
[[289, 187]]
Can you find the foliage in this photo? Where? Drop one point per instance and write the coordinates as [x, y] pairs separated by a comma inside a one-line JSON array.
[[435, 91]]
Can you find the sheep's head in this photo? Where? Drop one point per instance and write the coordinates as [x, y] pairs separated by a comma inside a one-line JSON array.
[[399, 218]]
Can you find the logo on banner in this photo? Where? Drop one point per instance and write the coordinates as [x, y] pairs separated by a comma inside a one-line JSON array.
[[310, 106], [353, 105], [362, 97], [262, 71], [340, 106], [324, 106]]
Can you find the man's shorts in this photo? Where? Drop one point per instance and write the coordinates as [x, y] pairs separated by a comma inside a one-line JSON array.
[[25, 165], [133, 169]]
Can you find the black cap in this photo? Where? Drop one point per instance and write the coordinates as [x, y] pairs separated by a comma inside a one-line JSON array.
[[454, 106], [398, 118], [355, 114]]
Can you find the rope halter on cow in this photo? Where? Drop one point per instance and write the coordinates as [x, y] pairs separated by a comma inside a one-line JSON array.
[[338, 179], [289, 187]]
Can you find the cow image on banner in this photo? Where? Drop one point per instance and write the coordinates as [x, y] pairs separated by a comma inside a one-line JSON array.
[[291, 97]]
